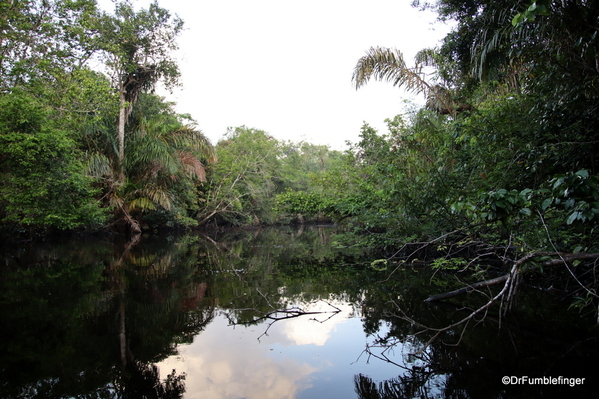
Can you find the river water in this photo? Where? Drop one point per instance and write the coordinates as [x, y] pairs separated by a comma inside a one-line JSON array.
[[270, 313]]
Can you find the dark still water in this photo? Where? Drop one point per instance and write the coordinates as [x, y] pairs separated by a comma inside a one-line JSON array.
[[272, 313]]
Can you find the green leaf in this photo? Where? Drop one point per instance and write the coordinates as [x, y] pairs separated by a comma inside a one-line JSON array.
[[558, 182], [573, 216], [518, 19], [543, 10], [583, 173]]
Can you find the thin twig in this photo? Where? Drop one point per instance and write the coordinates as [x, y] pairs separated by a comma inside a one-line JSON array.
[[564, 260]]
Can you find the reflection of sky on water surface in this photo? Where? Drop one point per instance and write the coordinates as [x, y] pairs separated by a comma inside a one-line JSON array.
[[298, 358], [225, 362]]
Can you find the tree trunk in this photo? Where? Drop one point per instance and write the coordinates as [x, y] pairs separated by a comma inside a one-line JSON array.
[[121, 127]]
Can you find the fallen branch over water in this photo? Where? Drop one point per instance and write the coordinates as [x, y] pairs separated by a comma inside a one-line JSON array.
[[561, 259], [468, 288]]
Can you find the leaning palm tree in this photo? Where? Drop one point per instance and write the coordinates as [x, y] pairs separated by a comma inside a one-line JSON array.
[[387, 64]]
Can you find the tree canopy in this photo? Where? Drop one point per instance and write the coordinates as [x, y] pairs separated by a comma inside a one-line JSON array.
[[64, 126]]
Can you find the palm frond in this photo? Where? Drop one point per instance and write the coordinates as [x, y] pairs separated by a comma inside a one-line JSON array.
[[115, 201], [142, 203], [192, 165], [496, 33], [144, 152], [426, 57], [153, 193], [193, 138], [440, 100], [98, 166], [387, 64], [481, 61]]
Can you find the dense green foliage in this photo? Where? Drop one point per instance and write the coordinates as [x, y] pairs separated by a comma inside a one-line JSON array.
[[64, 127], [42, 176], [82, 148], [510, 150], [502, 157], [253, 175]]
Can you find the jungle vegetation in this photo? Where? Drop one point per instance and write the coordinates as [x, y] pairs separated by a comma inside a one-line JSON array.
[[498, 170], [87, 144]]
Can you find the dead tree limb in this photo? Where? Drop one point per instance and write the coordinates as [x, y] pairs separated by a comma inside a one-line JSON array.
[[468, 288], [506, 295], [511, 277], [565, 258], [562, 258]]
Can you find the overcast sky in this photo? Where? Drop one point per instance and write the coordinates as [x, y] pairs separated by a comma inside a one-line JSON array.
[[285, 66]]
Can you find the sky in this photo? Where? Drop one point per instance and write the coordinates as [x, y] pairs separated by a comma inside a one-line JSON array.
[[285, 67]]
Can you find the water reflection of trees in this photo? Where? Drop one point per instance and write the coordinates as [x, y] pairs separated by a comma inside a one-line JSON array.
[[254, 276], [128, 306], [415, 383], [253, 273], [469, 360], [92, 319], [142, 380]]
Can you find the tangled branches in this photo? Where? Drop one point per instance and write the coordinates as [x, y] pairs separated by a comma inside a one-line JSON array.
[[577, 273]]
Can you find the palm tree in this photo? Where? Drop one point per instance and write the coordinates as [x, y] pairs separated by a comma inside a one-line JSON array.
[[387, 64], [163, 157]]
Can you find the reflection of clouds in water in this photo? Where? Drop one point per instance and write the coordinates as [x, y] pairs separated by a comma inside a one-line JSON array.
[[225, 363], [310, 329]]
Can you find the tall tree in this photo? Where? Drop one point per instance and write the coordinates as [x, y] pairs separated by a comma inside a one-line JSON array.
[[139, 46], [244, 181], [45, 98]]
